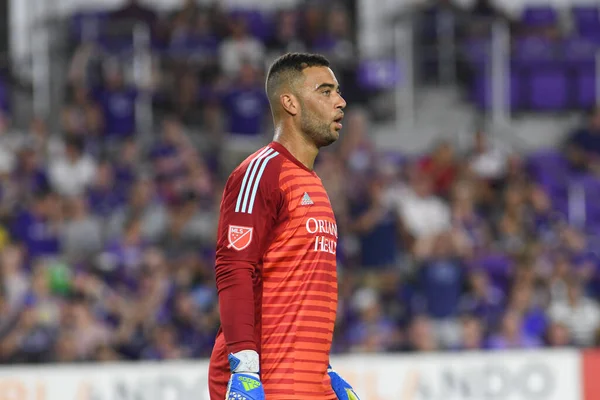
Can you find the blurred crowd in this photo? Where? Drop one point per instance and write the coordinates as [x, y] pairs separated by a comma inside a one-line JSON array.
[[107, 231]]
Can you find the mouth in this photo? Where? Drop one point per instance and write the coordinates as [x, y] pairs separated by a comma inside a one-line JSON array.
[[338, 121]]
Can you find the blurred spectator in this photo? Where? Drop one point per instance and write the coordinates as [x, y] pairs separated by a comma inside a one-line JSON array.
[[421, 335], [72, 173], [511, 334], [15, 281], [487, 160], [123, 255], [246, 104], [142, 201], [246, 110], [164, 345], [578, 312], [356, 149], [88, 331], [472, 335], [30, 176], [239, 48], [312, 23], [192, 38], [466, 219], [532, 312], [37, 228], [440, 282], [104, 194], [128, 165], [8, 144], [483, 300], [583, 146], [376, 227], [336, 41], [41, 142], [422, 212], [285, 38], [82, 235], [117, 100], [81, 116], [558, 335], [373, 332], [441, 167], [65, 349]]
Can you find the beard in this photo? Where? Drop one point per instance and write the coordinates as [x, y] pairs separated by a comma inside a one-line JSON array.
[[319, 132]]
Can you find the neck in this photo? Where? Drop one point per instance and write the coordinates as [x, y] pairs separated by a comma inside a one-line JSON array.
[[297, 144]]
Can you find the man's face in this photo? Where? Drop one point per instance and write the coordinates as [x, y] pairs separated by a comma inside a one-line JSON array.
[[321, 106]]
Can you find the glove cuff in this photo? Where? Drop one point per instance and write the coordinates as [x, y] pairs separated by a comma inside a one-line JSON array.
[[244, 361]]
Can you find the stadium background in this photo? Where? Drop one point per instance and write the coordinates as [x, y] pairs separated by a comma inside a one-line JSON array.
[[465, 186]]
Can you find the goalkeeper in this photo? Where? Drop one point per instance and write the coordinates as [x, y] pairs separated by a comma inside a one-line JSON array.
[[276, 250]]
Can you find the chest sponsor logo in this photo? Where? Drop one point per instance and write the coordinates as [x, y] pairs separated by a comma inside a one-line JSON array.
[[239, 237], [325, 233]]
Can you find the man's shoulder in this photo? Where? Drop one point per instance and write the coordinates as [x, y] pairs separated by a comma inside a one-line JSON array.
[[260, 168]]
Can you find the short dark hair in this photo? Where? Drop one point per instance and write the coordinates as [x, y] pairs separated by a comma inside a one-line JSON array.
[[76, 142], [289, 67]]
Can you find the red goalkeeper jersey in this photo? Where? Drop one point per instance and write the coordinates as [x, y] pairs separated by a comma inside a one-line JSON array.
[[276, 276]]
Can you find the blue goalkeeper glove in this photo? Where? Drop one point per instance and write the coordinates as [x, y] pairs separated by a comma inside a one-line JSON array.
[[244, 383], [342, 389]]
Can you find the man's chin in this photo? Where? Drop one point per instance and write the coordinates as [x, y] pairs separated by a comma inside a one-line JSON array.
[[335, 135], [330, 139]]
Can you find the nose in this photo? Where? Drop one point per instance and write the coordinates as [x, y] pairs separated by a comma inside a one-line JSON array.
[[341, 104]]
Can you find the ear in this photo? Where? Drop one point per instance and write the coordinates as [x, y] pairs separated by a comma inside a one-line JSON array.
[[289, 103]]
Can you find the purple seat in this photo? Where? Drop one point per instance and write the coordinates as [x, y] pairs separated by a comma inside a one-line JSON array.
[[542, 74], [534, 50], [547, 158], [586, 88], [586, 19], [379, 74], [549, 88], [550, 169], [579, 50], [580, 56], [538, 16]]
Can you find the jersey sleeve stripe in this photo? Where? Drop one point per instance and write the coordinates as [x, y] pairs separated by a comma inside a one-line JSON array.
[[258, 157], [252, 171], [251, 178], [257, 181]]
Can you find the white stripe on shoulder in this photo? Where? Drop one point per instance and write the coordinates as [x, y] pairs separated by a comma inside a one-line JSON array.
[[248, 187], [255, 178], [247, 174], [256, 182]]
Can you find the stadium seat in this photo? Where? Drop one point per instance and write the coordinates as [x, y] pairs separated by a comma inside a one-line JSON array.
[[538, 16]]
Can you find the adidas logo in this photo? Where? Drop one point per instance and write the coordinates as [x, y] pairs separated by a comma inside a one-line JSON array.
[[306, 200], [249, 383]]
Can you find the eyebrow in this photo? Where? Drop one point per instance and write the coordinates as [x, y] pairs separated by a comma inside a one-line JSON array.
[[326, 85]]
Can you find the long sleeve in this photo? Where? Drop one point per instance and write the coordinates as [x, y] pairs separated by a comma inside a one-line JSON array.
[[249, 210]]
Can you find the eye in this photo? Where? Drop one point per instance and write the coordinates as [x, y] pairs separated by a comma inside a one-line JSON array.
[[327, 92]]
